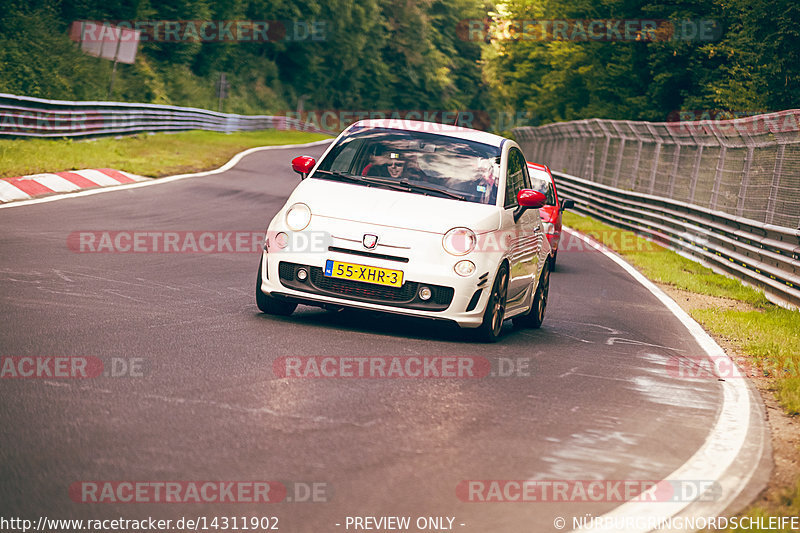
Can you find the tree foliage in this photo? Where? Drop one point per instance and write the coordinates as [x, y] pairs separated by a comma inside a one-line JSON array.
[[409, 55], [369, 54], [754, 65]]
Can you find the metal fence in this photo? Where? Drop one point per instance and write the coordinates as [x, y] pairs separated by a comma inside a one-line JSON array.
[[724, 192], [22, 116], [748, 167]]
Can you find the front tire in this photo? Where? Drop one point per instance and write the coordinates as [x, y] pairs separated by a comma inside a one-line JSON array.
[[535, 316], [493, 317], [269, 305]]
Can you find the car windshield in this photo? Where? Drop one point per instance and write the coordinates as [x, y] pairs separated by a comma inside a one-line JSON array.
[[416, 162], [540, 181]]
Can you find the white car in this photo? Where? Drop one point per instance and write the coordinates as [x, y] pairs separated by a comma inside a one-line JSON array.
[[411, 218]]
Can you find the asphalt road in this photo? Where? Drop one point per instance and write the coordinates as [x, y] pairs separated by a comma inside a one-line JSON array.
[[596, 401]]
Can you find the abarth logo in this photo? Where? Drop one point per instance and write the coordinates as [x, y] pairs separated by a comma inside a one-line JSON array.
[[369, 241]]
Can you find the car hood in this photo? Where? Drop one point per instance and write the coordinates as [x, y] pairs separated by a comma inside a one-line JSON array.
[[385, 207]]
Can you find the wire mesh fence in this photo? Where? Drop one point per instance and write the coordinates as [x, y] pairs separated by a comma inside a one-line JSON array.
[[747, 167]]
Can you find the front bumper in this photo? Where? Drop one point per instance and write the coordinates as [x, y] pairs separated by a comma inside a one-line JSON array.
[[454, 299], [406, 297]]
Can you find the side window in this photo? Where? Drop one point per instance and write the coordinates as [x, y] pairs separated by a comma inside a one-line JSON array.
[[516, 177], [526, 184], [344, 159]]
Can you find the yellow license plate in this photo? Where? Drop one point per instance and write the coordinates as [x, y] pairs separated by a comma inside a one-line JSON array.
[[367, 274]]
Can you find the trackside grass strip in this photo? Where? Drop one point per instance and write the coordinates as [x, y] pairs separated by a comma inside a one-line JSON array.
[[162, 154], [766, 334]]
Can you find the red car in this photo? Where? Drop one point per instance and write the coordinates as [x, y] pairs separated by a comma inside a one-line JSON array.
[[542, 181]]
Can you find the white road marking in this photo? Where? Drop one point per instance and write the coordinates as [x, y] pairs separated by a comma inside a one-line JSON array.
[[722, 446]]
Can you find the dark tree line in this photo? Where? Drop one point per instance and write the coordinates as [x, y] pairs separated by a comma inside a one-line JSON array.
[[750, 63], [404, 54], [369, 54]]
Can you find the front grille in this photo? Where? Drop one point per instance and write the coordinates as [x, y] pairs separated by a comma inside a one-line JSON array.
[[286, 270], [406, 293], [405, 296]]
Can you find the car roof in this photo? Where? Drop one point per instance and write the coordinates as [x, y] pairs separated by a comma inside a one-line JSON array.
[[433, 127]]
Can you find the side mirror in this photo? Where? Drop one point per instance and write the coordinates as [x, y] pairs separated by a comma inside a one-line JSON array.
[[528, 199], [303, 165], [567, 203]]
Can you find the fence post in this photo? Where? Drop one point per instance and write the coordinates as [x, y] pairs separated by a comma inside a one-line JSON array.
[[748, 161], [698, 142], [604, 158], [776, 182], [588, 160], [656, 157], [676, 158], [618, 161], [723, 153]]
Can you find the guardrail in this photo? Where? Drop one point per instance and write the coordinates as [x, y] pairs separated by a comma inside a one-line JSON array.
[[763, 255], [23, 116], [726, 193]]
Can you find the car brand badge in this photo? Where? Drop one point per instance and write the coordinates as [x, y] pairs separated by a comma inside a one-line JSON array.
[[370, 241]]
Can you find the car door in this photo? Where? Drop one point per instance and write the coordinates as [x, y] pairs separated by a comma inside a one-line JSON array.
[[524, 234]]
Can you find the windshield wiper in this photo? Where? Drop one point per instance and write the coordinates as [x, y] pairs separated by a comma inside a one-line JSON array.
[[394, 184], [414, 186], [341, 175], [368, 180], [401, 185], [405, 185]]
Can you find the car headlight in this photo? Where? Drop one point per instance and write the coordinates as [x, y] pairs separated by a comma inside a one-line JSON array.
[[298, 217], [459, 241], [549, 228]]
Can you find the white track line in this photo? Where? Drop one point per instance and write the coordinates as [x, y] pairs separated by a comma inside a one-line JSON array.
[[722, 446], [227, 166]]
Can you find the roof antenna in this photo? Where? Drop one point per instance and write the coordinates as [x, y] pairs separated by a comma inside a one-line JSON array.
[[458, 115]]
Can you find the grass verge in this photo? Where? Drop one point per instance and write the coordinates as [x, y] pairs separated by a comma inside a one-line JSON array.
[[766, 336], [162, 154]]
